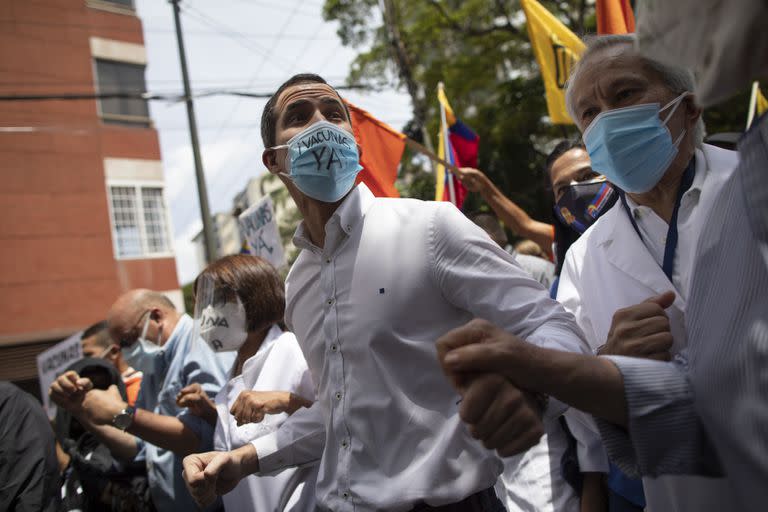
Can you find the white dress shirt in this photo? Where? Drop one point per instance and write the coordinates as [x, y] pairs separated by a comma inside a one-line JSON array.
[[367, 308], [690, 220], [278, 365]]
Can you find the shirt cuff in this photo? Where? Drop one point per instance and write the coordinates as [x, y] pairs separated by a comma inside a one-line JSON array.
[[271, 457], [664, 433]]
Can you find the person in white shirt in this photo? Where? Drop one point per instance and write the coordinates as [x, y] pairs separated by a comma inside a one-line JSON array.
[[239, 305], [627, 278], [376, 283]]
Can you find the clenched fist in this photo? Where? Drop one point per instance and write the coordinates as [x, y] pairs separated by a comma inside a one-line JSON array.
[[252, 406], [642, 330], [198, 402]]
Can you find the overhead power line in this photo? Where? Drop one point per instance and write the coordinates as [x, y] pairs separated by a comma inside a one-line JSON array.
[[150, 96]]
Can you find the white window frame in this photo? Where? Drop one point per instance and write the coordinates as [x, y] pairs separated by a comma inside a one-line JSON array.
[[119, 52], [138, 185], [112, 7]]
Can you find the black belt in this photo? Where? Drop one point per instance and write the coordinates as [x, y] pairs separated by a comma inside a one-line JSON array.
[[483, 501]]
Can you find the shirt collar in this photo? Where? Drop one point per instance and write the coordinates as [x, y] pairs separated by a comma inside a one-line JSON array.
[[182, 329], [700, 171], [346, 217]]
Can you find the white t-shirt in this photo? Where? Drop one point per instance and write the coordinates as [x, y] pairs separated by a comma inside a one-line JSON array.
[[278, 365]]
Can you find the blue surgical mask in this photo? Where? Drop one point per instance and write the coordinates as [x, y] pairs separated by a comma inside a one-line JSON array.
[[323, 161], [632, 146], [143, 354]]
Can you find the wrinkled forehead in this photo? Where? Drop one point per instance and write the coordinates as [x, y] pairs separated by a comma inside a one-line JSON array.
[[608, 64], [305, 91]]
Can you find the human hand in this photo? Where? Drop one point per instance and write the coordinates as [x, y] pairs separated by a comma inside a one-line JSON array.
[[479, 347], [68, 391], [252, 406], [197, 401], [642, 330], [473, 179], [213, 473], [100, 406], [502, 416], [475, 357]]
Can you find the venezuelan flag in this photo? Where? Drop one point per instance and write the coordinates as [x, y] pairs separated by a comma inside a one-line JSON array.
[[458, 145]]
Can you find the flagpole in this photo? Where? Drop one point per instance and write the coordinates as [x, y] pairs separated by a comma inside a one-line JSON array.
[[752, 105], [446, 145]]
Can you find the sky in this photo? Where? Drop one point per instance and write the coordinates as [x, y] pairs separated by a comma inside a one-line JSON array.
[[252, 45]]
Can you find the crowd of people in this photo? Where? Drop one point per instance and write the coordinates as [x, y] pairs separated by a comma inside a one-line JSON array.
[[414, 360]]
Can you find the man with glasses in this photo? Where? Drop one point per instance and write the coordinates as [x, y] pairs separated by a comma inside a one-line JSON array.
[[159, 341]]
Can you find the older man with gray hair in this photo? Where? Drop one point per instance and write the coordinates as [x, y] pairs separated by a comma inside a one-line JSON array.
[[627, 279]]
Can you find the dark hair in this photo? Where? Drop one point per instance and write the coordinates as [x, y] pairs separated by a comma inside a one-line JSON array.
[[491, 225], [269, 117], [100, 332], [94, 329], [565, 236], [562, 148], [256, 283]]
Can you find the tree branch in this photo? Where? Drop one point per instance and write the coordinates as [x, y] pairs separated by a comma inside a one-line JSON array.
[[472, 31]]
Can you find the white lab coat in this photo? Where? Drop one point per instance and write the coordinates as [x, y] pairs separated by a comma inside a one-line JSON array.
[[610, 268]]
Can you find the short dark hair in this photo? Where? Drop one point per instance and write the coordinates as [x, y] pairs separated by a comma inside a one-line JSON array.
[[255, 282], [268, 116], [560, 149], [100, 332]]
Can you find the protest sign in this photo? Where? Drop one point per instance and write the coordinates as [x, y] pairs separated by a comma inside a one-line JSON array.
[[258, 226], [52, 362]]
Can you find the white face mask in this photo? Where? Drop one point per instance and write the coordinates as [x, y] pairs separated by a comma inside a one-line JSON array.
[[223, 327], [143, 354]]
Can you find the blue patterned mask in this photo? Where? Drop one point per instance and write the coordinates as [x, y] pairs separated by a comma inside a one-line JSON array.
[[632, 146], [323, 161]]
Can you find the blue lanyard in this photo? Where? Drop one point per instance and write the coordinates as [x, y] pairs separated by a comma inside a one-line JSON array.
[[671, 246]]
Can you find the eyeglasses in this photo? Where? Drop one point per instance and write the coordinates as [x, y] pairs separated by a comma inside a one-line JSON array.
[[128, 340]]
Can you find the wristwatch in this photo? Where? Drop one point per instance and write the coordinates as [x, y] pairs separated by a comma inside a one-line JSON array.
[[124, 418]]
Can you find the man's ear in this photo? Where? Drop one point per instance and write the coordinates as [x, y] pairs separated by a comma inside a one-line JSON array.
[[114, 351], [359, 151], [269, 159], [156, 314], [692, 110]]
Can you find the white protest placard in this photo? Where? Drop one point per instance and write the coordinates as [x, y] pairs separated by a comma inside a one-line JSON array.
[[53, 362], [259, 227]]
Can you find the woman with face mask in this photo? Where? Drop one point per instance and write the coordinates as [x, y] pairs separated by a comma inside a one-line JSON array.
[[239, 306]]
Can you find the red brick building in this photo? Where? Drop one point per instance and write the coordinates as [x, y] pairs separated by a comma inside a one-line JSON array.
[[82, 213]]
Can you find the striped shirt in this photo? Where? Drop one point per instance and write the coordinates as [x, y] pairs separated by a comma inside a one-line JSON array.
[[706, 413]]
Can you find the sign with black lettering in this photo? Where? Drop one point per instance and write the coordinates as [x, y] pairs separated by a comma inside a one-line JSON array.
[[258, 226], [53, 362]]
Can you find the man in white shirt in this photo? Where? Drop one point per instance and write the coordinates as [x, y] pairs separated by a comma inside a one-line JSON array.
[[376, 283]]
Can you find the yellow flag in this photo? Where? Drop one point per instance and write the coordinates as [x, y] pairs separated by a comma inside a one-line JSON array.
[[762, 103], [448, 118], [557, 49]]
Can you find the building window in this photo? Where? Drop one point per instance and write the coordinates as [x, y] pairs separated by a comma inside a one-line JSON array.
[[117, 5], [122, 77], [139, 221], [122, 3]]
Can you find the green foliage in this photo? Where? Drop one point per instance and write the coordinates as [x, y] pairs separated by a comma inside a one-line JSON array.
[[187, 291], [480, 50]]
